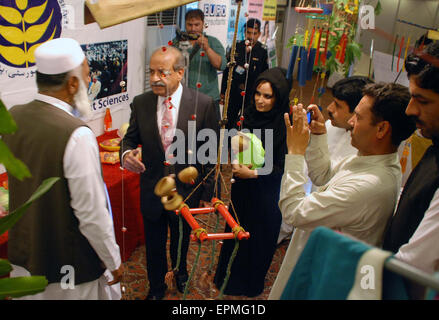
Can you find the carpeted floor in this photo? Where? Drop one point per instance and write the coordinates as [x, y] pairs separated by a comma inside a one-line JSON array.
[[135, 280], [136, 283]]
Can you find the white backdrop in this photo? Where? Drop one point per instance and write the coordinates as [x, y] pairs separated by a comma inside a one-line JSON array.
[[17, 84]]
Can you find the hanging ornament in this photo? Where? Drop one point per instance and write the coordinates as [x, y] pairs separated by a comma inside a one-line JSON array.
[[399, 54], [170, 43], [242, 93], [198, 85], [405, 53], [316, 61], [124, 229], [393, 53], [246, 66], [241, 118], [163, 49], [193, 117]]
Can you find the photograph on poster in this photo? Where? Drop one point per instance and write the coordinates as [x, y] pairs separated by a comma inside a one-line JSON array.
[[108, 68]]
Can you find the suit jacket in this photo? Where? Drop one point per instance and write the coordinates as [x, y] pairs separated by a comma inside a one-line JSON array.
[[143, 130]]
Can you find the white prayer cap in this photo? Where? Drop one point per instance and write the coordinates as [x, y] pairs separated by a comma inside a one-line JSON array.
[[58, 56]]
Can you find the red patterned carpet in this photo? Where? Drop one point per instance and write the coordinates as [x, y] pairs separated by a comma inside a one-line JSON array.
[[136, 283], [135, 278]]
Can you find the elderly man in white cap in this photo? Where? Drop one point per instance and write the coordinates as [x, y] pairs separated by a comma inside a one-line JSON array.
[[67, 235]]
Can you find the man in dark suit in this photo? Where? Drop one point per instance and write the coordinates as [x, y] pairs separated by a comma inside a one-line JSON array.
[[250, 55], [157, 117]]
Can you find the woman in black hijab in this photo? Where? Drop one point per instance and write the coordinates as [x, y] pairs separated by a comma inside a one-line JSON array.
[[255, 197]]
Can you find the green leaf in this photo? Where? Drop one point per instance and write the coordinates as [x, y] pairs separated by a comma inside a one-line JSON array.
[[22, 286], [7, 222], [378, 8], [7, 123], [5, 267], [13, 165]]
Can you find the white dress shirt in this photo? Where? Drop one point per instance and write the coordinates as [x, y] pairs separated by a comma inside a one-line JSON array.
[[82, 169], [422, 250], [357, 197], [175, 100], [339, 146]]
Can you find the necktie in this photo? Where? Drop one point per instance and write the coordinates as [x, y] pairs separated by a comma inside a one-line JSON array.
[[166, 125]]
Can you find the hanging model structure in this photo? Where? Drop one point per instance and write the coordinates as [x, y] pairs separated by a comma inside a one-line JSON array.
[[172, 201], [108, 13], [301, 8]]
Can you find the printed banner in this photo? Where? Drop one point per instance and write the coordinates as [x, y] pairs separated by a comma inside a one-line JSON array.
[[108, 72], [269, 11], [25, 25], [215, 18], [231, 23]]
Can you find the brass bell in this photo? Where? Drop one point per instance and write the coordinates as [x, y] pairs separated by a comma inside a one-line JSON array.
[[164, 187], [172, 201], [188, 175]]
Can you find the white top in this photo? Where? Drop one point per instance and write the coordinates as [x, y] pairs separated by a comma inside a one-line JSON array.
[[175, 100], [82, 169], [339, 142], [339, 145], [422, 250], [357, 197]]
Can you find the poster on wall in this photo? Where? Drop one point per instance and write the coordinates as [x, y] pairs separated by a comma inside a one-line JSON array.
[[215, 18], [24, 26], [268, 36], [108, 74], [231, 23]]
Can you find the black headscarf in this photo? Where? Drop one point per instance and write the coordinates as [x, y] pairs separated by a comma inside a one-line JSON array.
[[273, 119]]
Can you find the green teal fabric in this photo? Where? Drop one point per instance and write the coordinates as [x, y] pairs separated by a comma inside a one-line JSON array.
[[326, 268], [255, 152], [205, 73]]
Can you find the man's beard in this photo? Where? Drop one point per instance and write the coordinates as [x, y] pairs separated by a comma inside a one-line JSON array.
[[81, 101]]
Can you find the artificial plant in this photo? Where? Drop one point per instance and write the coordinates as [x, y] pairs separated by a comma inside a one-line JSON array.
[[343, 19], [19, 286]]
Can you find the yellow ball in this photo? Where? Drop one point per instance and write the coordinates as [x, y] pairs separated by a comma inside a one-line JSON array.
[[123, 129]]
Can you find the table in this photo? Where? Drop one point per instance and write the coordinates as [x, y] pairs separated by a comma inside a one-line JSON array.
[[3, 237], [128, 215], [126, 209]]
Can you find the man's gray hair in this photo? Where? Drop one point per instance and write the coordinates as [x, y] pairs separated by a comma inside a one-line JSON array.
[[55, 82], [179, 62]]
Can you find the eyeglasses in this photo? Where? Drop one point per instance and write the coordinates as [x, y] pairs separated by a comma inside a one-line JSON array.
[[414, 63], [160, 73]]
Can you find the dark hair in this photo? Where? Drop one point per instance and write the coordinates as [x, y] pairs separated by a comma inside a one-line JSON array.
[[253, 23], [194, 13], [424, 65], [390, 103], [350, 90], [49, 82]]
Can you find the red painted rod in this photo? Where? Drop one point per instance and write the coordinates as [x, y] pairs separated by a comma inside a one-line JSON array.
[[186, 213], [218, 236], [202, 210], [221, 208]]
